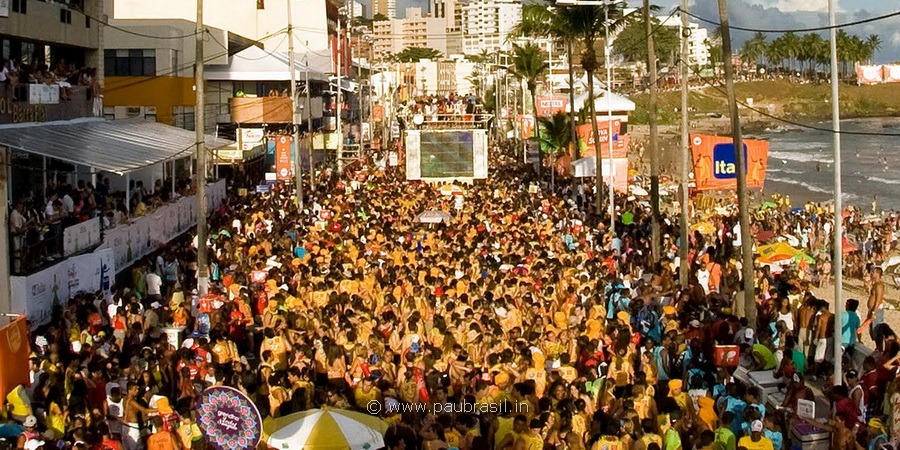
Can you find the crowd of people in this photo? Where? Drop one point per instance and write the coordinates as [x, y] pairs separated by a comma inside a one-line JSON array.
[[521, 299]]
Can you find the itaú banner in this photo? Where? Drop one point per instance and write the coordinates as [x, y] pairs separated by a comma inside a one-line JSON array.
[[715, 162]]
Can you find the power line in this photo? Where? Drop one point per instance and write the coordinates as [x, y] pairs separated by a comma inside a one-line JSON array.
[[797, 30], [782, 119], [135, 33]]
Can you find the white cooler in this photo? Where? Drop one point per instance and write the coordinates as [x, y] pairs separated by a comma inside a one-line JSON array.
[[808, 437]]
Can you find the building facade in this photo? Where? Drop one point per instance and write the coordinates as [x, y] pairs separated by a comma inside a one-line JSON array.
[[386, 8], [486, 24], [698, 49], [415, 30]]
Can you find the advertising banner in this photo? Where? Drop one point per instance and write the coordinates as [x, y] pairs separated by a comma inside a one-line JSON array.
[[548, 106], [251, 137], [715, 162], [586, 139], [587, 167], [378, 113], [228, 419], [81, 236], [891, 73], [14, 351], [869, 75], [283, 167]]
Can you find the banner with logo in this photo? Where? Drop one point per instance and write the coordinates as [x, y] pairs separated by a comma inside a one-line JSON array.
[[14, 351], [548, 106], [81, 236], [36, 294], [586, 139], [715, 162], [251, 137], [283, 167], [228, 419]]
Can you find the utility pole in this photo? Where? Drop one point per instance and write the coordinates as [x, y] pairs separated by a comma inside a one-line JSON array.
[[741, 169], [684, 270], [607, 53], [309, 129], [654, 145], [199, 124], [295, 117], [339, 106], [838, 203]]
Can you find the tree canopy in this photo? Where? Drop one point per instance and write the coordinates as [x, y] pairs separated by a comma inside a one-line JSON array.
[[631, 43], [412, 54]]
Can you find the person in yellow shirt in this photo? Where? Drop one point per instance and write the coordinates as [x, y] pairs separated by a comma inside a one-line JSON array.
[[531, 439], [756, 440], [188, 431]]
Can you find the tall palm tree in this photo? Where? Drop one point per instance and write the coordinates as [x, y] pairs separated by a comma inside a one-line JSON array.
[[554, 139], [587, 24], [543, 20], [529, 65], [754, 48], [791, 49], [873, 44]]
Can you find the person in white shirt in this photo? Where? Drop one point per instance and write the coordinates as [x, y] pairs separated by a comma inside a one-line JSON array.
[[703, 277], [154, 284]]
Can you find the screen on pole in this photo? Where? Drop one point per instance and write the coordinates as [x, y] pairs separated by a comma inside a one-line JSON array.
[[451, 154]]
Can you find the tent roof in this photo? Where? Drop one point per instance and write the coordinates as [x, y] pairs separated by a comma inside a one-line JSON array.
[[615, 102], [117, 146], [256, 64]]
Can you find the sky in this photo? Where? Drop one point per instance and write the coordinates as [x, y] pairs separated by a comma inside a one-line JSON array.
[[783, 14]]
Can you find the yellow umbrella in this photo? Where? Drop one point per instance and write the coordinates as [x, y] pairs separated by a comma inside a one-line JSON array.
[[776, 252], [325, 429], [703, 227]]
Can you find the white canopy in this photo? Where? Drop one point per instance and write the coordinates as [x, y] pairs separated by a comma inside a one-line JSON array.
[[618, 103], [117, 146]]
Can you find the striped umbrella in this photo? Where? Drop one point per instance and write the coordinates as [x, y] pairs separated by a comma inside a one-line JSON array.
[[326, 429]]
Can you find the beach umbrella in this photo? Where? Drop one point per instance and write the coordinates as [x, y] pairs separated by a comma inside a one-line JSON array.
[[703, 227], [847, 246], [768, 205], [777, 252], [801, 256], [433, 217], [627, 218], [326, 429]]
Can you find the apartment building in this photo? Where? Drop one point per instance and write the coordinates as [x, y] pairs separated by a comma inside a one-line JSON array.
[[486, 24]]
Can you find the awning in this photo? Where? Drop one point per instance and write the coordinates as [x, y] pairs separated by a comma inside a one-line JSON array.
[[256, 64], [117, 146]]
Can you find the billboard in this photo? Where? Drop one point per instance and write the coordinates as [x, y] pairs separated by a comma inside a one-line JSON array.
[[586, 139], [715, 162], [284, 170], [548, 106], [446, 154]]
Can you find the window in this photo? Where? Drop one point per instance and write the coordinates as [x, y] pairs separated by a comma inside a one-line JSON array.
[[130, 63], [20, 6], [65, 15]]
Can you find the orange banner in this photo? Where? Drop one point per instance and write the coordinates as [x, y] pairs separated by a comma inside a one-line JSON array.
[[14, 351], [283, 166], [715, 162], [586, 139], [378, 113]]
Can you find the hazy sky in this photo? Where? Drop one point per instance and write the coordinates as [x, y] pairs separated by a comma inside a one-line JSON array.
[[784, 14]]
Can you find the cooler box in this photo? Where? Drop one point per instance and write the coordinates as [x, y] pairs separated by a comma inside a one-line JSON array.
[[808, 437], [727, 356], [764, 379]]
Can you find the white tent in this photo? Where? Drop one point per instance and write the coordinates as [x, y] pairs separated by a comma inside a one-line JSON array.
[[602, 103]]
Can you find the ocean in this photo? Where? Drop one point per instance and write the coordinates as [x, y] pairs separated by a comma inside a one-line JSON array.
[[801, 163]]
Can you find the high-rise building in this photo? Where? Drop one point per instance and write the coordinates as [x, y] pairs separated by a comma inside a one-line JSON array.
[[359, 10], [415, 30], [387, 8], [486, 24], [698, 49]]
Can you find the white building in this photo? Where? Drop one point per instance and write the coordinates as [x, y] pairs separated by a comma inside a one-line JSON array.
[[415, 30], [698, 50], [487, 23], [359, 10]]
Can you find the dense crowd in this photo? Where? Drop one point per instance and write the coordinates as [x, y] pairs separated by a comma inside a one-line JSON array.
[[519, 300]]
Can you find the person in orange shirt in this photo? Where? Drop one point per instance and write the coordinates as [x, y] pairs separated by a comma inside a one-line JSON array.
[[163, 440]]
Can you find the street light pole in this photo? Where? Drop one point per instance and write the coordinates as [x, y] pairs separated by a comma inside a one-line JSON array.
[[838, 203], [609, 124], [295, 118], [199, 128], [684, 269], [338, 106]]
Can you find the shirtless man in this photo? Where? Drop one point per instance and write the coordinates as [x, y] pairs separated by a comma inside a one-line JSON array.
[[805, 323], [824, 333], [875, 317], [131, 429]]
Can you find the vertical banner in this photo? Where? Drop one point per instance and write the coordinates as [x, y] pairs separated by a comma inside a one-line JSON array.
[[14, 351], [378, 113], [413, 155], [283, 168], [715, 162], [586, 139]]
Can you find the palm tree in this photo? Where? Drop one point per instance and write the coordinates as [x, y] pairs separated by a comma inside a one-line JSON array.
[[873, 44], [587, 23], [791, 49], [754, 48], [541, 20], [554, 139], [529, 65]]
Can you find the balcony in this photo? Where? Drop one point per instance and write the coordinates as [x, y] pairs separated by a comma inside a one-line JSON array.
[[43, 103], [261, 109]]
